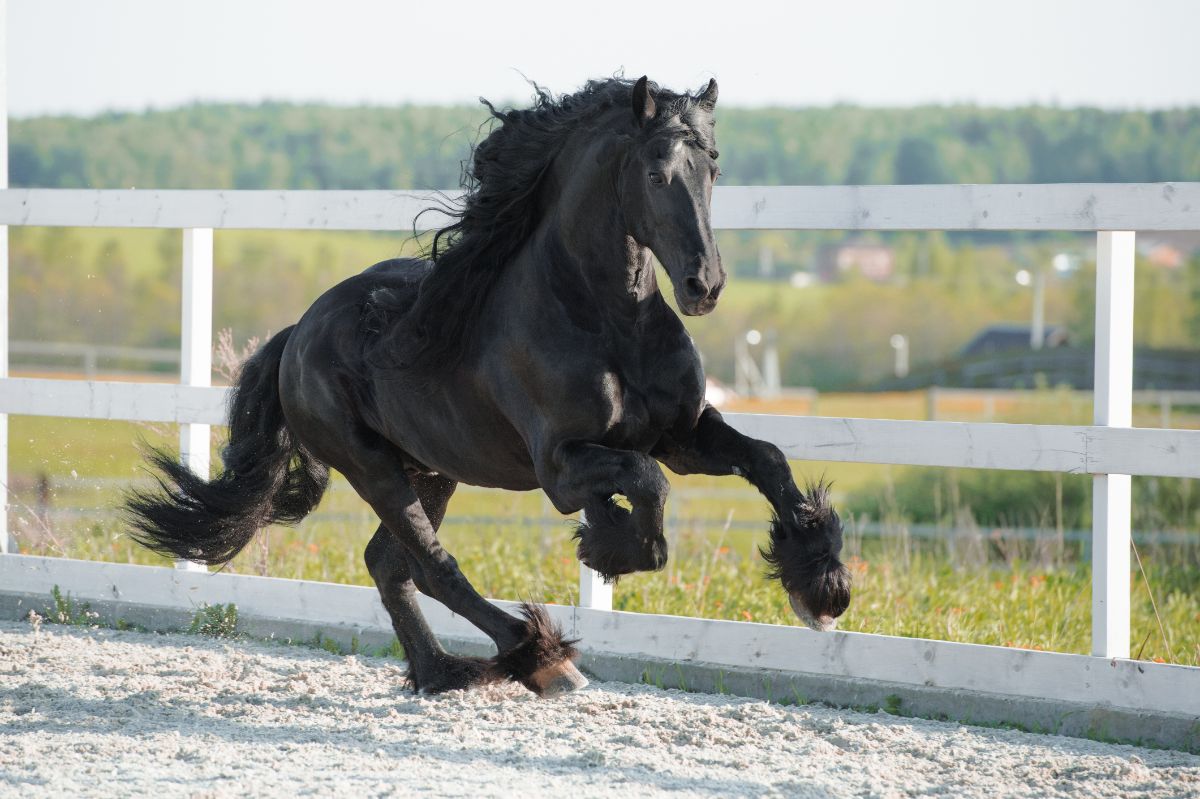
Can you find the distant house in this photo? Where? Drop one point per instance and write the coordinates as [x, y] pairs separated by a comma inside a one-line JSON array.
[[1169, 249], [872, 261], [1008, 337], [1165, 255]]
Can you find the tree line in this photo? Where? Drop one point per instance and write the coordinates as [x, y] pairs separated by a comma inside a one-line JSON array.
[[287, 146]]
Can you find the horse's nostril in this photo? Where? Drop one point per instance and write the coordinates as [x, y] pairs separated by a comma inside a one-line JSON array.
[[696, 288]]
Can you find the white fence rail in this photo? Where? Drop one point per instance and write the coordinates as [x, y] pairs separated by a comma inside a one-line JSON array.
[[912, 662], [1108, 449], [1074, 449], [1011, 206]]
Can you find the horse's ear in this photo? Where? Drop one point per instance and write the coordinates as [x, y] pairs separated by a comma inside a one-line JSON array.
[[644, 107], [708, 97]]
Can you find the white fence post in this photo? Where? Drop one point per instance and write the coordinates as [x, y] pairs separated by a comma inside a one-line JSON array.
[[594, 593], [196, 347], [1113, 407], [4, 545]]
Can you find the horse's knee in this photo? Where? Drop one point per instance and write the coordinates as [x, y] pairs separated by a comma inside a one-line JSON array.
[[769, 463], [646, 485]]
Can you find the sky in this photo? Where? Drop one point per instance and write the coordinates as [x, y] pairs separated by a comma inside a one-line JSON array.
[[89, 56]]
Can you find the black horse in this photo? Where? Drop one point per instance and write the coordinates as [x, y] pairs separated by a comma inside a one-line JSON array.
[[532, 350]]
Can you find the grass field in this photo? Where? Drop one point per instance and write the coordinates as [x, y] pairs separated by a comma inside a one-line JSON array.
[[968, 587]]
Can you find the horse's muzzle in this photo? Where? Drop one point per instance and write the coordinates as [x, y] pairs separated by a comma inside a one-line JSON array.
[[697, 295]]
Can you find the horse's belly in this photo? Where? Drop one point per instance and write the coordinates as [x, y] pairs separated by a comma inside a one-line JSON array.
[[477, 448], [511, 476]]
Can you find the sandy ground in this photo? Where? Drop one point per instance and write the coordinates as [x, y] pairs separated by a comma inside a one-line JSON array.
[[106, 713]]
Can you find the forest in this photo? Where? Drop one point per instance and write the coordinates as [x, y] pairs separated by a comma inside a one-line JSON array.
[[283, 146]]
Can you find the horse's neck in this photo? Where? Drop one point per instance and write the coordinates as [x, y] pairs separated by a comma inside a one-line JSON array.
[[582, 248], [608, 277]]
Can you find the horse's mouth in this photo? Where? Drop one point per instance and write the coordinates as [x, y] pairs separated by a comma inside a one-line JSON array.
[[700, 308]]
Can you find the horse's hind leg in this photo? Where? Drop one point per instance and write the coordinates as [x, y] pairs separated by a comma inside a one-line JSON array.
[[430, 668], [531, 650]]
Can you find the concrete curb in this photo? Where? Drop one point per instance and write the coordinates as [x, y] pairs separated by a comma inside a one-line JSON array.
[[1109, 724]]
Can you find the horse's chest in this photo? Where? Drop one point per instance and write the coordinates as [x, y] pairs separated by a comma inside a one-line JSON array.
[[641, 411]]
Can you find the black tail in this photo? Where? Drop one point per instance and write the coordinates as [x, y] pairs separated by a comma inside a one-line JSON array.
[[268, 477]]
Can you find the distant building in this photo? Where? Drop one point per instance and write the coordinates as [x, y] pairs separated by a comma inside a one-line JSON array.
[[1008, 337], [1169, 249], [1165, 255], [872, 261]]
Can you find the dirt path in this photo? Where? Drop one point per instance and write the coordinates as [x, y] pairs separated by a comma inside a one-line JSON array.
[[105, 713]]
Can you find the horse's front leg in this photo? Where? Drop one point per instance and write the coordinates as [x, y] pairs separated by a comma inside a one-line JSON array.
[[806, 533], [614, 539]]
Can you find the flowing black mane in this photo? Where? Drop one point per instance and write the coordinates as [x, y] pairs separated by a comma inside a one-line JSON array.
[[503, 206]]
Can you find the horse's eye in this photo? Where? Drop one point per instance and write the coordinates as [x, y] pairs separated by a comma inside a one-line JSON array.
[[656, 178]]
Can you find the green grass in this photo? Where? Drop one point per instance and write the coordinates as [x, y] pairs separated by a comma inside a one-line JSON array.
[[215, 621], [66, 610], [1020, 595]]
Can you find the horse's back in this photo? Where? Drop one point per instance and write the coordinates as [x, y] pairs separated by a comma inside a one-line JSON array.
[[375, 297], [408, 269], [398, 274], [323, 363]]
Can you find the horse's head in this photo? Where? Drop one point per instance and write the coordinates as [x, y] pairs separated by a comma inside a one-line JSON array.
[[666, 190]]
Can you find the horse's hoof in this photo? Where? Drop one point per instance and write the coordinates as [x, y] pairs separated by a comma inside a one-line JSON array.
[[822, 624], [558, 679], [542, 662]]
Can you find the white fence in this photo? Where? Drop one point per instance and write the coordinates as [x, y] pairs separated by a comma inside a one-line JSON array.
[[1109, 449], [88, 356]]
